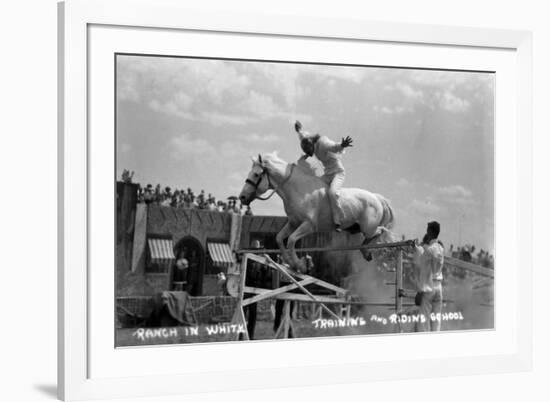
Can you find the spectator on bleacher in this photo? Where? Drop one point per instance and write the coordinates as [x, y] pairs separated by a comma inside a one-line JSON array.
[[236, 208], [187, 198], [212, 204], [465, 255], [176, 198], [148, 194], [140, 198], [201, 200], [127, 176], [166, 197]]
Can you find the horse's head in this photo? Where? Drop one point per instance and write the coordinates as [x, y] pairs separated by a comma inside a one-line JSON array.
[[257, 181]]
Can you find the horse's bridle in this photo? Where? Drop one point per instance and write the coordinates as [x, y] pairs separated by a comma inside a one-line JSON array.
[[265, 172]]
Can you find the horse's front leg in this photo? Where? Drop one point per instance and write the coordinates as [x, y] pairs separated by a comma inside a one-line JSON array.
[[303, 230], [280, 238]]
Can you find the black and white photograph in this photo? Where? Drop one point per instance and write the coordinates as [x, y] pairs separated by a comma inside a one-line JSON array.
[[265, 200]]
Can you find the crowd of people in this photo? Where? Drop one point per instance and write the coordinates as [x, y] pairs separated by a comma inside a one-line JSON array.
[[469, 253], [185, 198]]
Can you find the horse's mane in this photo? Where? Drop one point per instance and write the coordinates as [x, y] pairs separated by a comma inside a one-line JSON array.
[[303, 165]]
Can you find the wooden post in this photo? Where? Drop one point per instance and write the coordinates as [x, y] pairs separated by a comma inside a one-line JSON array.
[[286, 325], [238, 316], [399, 282], [239, 319], [398, 287]]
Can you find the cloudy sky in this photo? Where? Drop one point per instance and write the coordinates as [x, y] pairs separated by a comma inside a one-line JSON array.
[[422, 138]]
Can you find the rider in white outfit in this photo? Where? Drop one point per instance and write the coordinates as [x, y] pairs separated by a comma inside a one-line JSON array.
[[330, 155]]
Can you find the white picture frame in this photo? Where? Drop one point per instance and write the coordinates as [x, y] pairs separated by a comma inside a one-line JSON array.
[[79, 377]]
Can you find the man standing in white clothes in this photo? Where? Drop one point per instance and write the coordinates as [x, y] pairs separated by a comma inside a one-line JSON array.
[[428, 259]]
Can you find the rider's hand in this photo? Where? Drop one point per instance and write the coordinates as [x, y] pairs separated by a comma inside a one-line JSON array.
[[297, 126], [346, 142]]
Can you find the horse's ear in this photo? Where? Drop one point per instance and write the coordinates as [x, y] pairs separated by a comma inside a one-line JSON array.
[[260, 158]]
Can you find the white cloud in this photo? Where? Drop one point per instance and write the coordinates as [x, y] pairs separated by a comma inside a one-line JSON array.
[[439, 200], [255, 137], [425, 207], [395, 110], [171, 107], [260, 105], [218, 80], [283, 78], [346, 73], [223, 92], [453, 103], [455, 191], [408, 91], [173, 85], [185, 146], [235, 177], [125, 147], [183, 100], [231, 150], [127, 89], [402, 182], [219, 119]]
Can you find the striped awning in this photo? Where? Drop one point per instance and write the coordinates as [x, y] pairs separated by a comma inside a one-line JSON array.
[[221, 254], [161, 251]]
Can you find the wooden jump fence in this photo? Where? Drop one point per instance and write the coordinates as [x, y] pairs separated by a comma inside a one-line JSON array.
[[340, 296]]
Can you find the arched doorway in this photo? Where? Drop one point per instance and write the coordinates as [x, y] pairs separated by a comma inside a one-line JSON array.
[[191, 249]]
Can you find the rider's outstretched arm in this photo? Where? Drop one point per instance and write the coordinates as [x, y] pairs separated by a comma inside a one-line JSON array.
[[334, 146], [301, 132], [331, 146]]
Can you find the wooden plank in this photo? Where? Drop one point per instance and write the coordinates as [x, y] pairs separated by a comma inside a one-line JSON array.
[[405, 243], [409, 293], [266, 260], [323, 284], [467, 266], [301, 297], [269, 262], [455, 263], [261, 295]]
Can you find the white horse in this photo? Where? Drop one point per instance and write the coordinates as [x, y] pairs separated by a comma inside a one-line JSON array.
[[307, 206]]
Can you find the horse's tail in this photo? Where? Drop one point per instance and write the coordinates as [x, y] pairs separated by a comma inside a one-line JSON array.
[[388, 219]]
